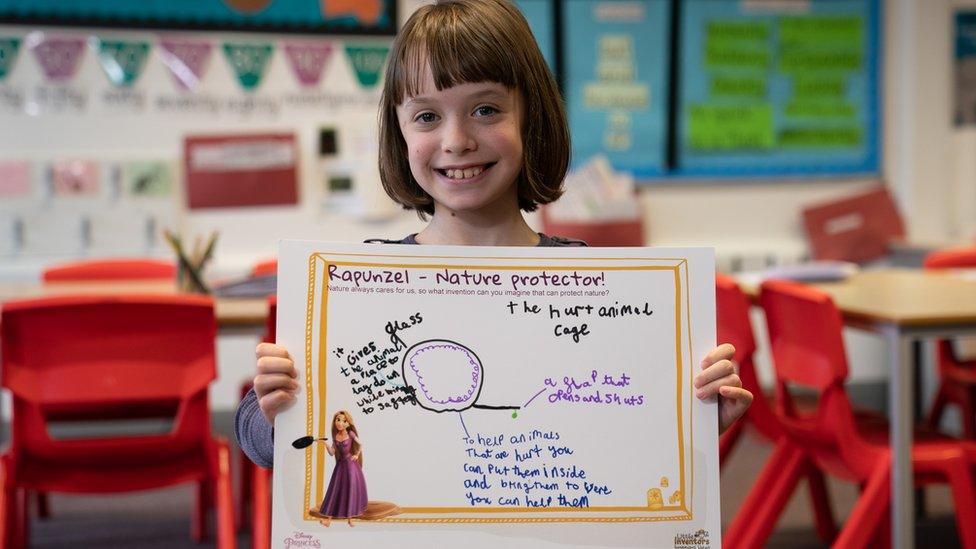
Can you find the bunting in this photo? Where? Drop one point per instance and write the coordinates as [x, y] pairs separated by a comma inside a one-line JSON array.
[[249, 62], [367, 62]]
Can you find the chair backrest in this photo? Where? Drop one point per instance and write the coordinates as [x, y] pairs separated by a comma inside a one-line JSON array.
[[734, 326], [99, 357], [805, 335], [111, 269], [265, 267], [956, 258]]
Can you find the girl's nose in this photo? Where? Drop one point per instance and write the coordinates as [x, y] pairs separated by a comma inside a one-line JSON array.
[[457, 139]]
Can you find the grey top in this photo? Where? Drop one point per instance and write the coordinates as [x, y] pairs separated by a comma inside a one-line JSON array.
[[256, 436]]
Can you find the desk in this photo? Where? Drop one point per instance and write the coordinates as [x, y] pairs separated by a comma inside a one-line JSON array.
[[234, 315], [903, 306]]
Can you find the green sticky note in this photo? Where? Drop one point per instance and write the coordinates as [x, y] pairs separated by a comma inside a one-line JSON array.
[[149, 179], [732, 55], [756, 31], [807, 87], [734, 127], [821, 109], [821, 138], [730, 86], [845, 31], [795, 60]]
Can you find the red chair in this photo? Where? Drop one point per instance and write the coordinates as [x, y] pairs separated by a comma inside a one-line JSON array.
[[111, 269], [958, 377], [255, 481], [808, 351], [265, 267], [95, 358], [734, 326]]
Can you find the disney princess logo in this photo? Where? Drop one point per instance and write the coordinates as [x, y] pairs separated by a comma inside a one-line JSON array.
[[301, 539], [695, 540]]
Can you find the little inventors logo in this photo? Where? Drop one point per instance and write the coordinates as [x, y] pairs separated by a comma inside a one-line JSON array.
[[694, 540]]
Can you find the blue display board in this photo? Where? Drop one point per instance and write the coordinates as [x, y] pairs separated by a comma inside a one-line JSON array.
[[329, 16], [539, 14], [778, 92], [615, 81]]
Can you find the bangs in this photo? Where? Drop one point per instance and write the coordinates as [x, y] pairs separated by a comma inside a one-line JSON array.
[[455, 51]]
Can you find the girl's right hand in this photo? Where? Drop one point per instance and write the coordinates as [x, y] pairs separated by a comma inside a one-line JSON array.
[[276, 382]]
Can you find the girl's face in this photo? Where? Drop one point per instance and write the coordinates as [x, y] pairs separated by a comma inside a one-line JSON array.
[[465, 145], [341, 423]]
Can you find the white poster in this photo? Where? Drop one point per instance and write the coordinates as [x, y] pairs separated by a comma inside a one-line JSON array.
[[496, 397]]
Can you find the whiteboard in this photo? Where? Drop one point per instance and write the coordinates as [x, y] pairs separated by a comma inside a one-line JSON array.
[[531, 397]]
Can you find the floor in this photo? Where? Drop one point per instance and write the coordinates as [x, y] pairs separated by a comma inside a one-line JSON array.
[[160, 519]]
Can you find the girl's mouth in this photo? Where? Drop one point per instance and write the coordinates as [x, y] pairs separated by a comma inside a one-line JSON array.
[[465, 174]]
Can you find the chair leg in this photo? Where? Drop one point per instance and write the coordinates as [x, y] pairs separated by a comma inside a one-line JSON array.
[[8, 512], [963, 495], [938, 407], [261, 508], [244, 491], [728, 440], [969, 416], [23, 519], [43, 505], [869, 510], [198, 524], [826, 527], [761, 509], [224, 501]]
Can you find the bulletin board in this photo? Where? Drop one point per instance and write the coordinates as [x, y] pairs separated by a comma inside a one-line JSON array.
[[580, 429], [541, 17], [770, 89], [615, 82], [311, 16]]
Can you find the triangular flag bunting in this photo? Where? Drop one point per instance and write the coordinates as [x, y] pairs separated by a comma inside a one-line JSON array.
[[308, 60], [121, 60], [58, 57], [186, 60], [8, 54], [248, 61], [367, 62]]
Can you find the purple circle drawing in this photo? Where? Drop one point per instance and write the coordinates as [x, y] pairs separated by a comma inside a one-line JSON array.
[[445, 375]]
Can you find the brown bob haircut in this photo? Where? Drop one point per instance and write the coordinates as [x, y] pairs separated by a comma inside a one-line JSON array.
[[471, 41]]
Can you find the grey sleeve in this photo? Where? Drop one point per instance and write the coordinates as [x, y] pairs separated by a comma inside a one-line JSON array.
[[254, 434]]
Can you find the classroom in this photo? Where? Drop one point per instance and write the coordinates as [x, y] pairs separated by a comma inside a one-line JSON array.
[[191, 182]]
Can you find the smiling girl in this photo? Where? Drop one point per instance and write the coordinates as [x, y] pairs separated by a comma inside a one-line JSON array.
[[472, 133]]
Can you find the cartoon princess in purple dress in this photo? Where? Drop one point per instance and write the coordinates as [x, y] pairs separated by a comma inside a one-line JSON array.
[[346, 496]]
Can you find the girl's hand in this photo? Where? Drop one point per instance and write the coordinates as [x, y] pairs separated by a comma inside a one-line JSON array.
[[355, 457], [720, 377], [276, 382]]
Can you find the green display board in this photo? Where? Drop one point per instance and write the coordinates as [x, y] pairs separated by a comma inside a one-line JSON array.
[[766, 90]]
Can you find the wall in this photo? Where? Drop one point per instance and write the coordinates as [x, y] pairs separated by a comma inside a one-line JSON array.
[[929, 166]]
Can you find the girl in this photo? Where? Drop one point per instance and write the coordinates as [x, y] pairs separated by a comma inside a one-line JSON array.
[[346, 496], [472, 133]]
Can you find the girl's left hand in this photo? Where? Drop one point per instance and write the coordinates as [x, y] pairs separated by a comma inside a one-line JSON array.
[[720, 376], [355, 457]]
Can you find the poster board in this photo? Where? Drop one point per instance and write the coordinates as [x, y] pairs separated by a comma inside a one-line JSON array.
[[517, 397], [779, 88]]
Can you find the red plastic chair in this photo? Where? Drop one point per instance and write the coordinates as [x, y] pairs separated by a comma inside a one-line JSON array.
[[255, 481], [808, 351], [958, 377], [93, 358], [265, 267], [104, 270], [111, 269], [734, 326]]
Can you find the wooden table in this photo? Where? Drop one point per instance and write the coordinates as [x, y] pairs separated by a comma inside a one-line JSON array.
[[903, 306], [234, 315]]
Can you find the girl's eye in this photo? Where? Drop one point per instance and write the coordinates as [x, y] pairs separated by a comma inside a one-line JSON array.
[[426, 117], [485, 110]]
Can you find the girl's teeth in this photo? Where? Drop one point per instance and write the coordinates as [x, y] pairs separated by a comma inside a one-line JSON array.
[[464, 174]]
